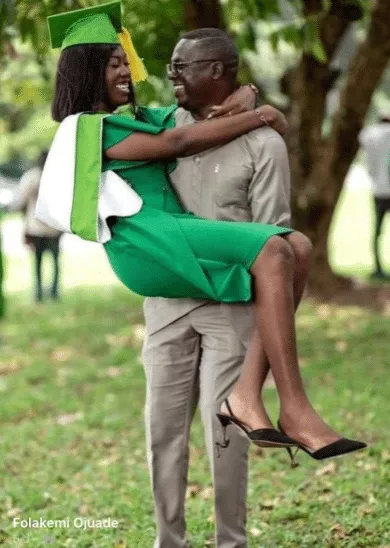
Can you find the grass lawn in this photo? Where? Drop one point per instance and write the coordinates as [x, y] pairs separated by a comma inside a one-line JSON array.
[[72, 440], [350, 241]]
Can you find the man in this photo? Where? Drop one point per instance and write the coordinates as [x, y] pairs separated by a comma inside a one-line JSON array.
[[194, 349], [376, 142]]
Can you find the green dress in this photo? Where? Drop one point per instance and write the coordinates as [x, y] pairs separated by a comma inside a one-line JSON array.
[[166, 251]]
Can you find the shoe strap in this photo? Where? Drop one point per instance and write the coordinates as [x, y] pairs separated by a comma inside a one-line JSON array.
[[229, 408]]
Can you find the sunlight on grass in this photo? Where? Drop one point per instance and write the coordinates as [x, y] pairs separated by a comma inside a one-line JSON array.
[[350, 247], [82, 263], [85, 263], [72, 438], [71, 410]]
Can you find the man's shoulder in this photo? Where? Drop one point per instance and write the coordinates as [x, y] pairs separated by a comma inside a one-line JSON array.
[[264, 141], [183, 117], [264, 134]]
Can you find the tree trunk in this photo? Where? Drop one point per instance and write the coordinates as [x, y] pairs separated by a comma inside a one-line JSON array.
[[208, 13], [203, 13], [319, 165]]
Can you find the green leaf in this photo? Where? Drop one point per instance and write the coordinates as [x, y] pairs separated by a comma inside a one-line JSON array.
[[274, 39], [312, 40], [292, 33], [318, 50], [268, 8]]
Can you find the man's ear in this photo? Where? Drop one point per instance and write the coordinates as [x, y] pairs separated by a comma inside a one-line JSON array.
[[217, 70]]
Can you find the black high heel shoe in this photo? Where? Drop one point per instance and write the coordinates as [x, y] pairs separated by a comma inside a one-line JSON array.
[[263, 437], [335, 449]]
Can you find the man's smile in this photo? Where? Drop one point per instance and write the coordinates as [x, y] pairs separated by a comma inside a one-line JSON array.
[[179, 90]]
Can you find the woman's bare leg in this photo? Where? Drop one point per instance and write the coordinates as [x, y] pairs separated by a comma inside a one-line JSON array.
[[245, 398], [274, 307]]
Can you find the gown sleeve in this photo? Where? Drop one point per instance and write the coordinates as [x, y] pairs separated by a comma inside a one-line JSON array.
[[118, 127], [162, 116]]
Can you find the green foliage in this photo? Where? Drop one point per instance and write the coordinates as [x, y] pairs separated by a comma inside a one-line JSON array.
[[5, 11], [303, 34], [26, 82], [312, 41], [155, 25], [31, 139], [29, 18], [26, 91], [238, 10], [292, 33]]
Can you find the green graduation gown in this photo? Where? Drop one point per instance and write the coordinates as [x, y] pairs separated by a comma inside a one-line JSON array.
[[166, 251]]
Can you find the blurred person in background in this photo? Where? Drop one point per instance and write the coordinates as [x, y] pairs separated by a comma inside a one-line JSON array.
[[6, 196], [1, 274], [375, 141], [37, 235]]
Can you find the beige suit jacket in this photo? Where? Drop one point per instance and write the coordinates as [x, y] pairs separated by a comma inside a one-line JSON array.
[[246, 180]]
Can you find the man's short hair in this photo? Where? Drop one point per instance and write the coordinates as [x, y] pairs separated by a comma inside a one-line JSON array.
[[218, 44]]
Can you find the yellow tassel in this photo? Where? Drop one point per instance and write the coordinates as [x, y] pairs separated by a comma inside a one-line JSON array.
[[137, 68]]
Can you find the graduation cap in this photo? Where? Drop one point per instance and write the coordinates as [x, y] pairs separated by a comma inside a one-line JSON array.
[[100, 24]]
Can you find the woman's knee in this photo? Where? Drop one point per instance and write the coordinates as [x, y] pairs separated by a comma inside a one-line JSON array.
[[278, 249], [301, 246]]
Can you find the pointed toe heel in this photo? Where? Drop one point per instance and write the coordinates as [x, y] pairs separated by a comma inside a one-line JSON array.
[[263, 437], [337, 448]]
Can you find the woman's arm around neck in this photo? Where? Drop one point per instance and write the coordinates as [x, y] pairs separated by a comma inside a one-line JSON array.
[[186, 140]]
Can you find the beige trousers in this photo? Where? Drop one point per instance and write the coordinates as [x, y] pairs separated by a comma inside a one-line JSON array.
[[196, 360]]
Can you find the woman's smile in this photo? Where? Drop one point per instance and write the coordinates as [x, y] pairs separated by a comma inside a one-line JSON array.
[[118, 80], [124, 87]]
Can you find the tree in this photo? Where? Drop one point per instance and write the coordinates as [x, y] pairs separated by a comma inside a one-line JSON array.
[[203, 13], [319, 163], [27, 71], [319, 159]]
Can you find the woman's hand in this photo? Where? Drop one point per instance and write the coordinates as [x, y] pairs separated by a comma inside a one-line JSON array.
[[242, 100], [274, 118]]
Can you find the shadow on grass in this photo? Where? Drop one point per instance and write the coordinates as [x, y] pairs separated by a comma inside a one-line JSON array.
[[72, 437]]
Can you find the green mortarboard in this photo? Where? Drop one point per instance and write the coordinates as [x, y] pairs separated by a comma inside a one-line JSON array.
[[95, 25]]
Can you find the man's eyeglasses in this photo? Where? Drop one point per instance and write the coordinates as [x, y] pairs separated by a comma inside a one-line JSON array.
[[178, 68]]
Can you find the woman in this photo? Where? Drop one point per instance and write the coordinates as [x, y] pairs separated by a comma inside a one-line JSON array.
[[162, 250]]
